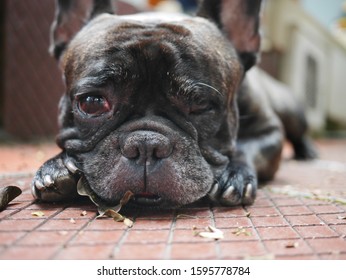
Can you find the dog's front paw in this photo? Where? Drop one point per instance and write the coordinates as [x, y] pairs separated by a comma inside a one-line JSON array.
[[56, 180], [237, 185]]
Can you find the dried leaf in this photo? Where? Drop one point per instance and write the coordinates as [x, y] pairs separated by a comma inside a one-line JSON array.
[[37, 214], [117, 217], [248, 214], [102, 210], [341, 217], [72, 221], [241, 230], [7, 194], [292, 245], [128, 222], [211, 233], [84, 213], [84, 189], [113, 214], [127, 196]]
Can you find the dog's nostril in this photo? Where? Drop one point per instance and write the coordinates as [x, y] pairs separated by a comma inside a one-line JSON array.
[[146, 146]]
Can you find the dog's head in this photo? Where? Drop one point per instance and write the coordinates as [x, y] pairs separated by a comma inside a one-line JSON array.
[[150, 98]]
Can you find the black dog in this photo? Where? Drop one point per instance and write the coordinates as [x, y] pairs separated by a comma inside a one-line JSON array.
[[158, 105]]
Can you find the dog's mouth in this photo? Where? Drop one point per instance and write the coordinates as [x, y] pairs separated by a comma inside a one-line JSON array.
[[146, 199]]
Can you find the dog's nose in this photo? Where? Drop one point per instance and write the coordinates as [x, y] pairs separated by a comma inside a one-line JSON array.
[[146, 147]]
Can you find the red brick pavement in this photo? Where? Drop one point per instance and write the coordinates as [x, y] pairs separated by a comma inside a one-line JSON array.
[[289, 220]]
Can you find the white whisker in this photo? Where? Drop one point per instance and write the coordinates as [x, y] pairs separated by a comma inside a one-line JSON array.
[[209, 86]]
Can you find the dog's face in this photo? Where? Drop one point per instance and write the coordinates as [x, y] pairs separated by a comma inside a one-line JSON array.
[[150, 106]]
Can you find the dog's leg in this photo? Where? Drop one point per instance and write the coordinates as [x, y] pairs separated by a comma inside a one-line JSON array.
[[258, 151], [237, 184], [287, 108], [56, 180]]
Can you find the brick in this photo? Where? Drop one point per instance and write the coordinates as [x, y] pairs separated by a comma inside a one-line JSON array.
[[194, 212], [183, 223], [263, 211], [297, 257], [140, 252], [326, 209], [153, 224], [37, 206], [303, 220], [229, 212], [269, 221], [20, 225], [194, 251], [261, 194], [295, 210], [7, 238], [309, 201], [284, 201], [316, 231], [28, 253], [341, 229], [28, 214], [333, 219], [242, 249], [85, 252], [187, 236], [44, 238], [287, 247], [147, 236], [61, 225], [260, 202], [239, 234], [328, 245], [105, 224], [154, 214], [5, 213], [333, 256], [233, 222], [274, 233], [93, 237], [75, 214]]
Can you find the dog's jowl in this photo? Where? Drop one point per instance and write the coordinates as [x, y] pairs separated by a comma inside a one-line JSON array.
[[165, 106]]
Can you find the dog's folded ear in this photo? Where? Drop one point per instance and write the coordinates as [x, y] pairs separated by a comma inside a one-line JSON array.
[[239, 21], [70, 17]]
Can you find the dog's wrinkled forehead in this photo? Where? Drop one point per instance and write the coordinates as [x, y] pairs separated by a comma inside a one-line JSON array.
[[191, 46]]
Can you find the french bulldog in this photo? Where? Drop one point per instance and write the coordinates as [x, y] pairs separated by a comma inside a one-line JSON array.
[[166, 106]]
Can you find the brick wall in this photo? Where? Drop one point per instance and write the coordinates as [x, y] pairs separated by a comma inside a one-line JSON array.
[[32, 80]]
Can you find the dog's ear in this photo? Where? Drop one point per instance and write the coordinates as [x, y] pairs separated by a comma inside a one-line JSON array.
[[70, 17], [239, 21]]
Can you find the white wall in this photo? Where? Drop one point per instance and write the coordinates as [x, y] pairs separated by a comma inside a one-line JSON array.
[[299, 35]]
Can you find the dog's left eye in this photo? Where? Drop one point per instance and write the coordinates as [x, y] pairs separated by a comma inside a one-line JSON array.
[[197, 109], [94, 105]]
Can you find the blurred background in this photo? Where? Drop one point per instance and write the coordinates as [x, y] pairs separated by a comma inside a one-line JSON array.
[[304, 45]]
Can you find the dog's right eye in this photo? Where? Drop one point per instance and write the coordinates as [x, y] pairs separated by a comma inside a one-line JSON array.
[[94, 105]]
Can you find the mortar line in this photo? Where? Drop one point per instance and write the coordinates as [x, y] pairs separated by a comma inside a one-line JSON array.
[[168, 248], [27, 232], [293, 228]]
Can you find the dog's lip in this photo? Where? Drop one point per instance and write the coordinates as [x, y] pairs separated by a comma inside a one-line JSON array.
[[146, 199]]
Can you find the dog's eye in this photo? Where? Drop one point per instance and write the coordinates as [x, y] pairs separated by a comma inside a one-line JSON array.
[[198, 109], [94, 105]]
